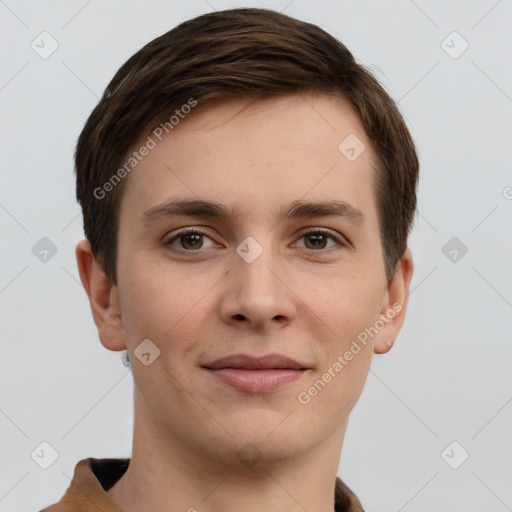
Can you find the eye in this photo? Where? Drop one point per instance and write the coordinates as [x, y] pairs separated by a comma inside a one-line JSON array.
[[190, 239], [316, 239]]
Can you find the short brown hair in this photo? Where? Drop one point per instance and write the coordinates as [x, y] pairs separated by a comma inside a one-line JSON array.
[[236, 53]]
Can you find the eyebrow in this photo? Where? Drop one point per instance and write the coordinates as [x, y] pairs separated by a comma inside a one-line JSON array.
[[212, 210]]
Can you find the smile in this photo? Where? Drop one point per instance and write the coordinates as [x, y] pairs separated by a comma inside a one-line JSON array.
[[256, 374]]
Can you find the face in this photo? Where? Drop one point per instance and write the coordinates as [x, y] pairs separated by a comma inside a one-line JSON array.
[[283, 290]]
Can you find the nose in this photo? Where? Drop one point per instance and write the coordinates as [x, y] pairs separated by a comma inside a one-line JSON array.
[[256, 294]]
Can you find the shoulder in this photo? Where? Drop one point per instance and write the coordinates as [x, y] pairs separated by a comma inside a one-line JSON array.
[[345, 499], [87, 490]]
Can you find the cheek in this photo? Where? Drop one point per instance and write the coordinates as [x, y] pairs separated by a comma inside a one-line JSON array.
[[333, 391], [348, 307], [348, 304], [168, 308], [152, 292], [166, 305], [335, 386]]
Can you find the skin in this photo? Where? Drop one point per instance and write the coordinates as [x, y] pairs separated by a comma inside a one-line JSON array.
[[295, 299]]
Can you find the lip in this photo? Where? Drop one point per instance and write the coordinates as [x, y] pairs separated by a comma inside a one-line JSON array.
[[246, 362], [256, 374]]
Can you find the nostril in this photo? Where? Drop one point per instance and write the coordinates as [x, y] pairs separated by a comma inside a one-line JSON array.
[[240, 317]]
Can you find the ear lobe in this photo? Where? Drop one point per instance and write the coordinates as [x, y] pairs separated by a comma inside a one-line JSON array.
[[382, 348], [103, 298], [395, 305]]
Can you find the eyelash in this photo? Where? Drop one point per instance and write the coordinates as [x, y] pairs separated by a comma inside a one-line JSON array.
[[314, 231]]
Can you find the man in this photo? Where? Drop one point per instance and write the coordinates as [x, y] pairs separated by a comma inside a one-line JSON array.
[[247, 191]]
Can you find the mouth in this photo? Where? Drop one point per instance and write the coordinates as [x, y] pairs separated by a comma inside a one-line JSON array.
[[256, 374]]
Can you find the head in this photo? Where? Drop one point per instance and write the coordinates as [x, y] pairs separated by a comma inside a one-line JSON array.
[[252, 128]]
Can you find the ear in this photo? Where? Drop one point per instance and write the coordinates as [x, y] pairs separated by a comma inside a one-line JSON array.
[[395, 303], [103, 298]]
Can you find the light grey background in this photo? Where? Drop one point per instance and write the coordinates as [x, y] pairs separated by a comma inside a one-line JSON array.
[[447, 379]]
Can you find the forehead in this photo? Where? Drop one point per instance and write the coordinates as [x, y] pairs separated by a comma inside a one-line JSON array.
[[249, 153]]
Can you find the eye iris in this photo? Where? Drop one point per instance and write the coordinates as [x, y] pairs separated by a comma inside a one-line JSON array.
[[317, 238], [195, 236]]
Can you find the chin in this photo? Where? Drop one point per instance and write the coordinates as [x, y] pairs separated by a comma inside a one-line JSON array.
[[262, 437]]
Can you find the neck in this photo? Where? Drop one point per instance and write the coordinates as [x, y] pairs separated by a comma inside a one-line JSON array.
[[166, 475]]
